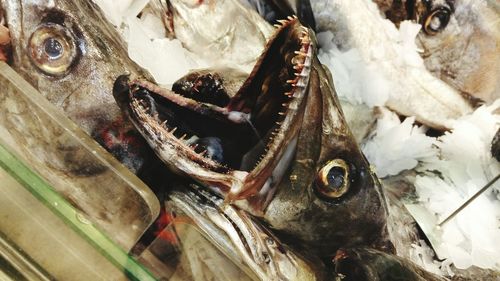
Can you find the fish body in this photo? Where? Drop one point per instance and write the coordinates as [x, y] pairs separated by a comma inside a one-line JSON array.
[[221, 32], [250, 245], [412, 89], [362, 264], [462, 49], [288, 155], [73, 63]]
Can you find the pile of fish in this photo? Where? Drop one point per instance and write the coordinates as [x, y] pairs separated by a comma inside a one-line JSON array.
[[254, 148]]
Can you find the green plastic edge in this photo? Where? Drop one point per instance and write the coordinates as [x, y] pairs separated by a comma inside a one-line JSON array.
[[58, 205]]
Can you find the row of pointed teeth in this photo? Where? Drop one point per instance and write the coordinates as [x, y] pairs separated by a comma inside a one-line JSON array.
[[284, 22], [301, 61], [184, 138]]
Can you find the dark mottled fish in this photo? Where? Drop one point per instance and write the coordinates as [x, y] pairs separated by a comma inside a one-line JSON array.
[[287, 153], [73, 63]]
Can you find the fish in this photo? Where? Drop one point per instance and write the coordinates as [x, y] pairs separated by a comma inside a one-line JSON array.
[[73, 63], [288, 155], [235, 39], [460, 42], [412, 89], [369, 264], [248, 243]]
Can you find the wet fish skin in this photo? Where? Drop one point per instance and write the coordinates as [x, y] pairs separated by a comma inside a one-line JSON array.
[[248, 242], [360, 264], [235, 39], [80, 80], [414, 90], [464, 52]]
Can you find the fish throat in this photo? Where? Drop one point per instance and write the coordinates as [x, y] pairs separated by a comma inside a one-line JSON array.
[[234, 144]]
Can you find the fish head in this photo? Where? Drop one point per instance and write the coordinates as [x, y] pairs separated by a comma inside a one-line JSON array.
[[330, 197], [72, 55], [461, 43], [278, 148]]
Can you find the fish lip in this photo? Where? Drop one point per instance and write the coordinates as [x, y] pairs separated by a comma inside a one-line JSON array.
[[234, 184]]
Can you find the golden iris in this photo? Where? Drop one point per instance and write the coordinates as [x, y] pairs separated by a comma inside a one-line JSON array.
[[333, 179], [52, 49]]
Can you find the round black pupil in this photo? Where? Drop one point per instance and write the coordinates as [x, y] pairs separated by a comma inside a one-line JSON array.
[[435, 23], [439, 19], [336, 177], [53, 48]]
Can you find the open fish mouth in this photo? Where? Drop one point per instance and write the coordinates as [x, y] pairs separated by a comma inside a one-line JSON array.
[[234, 144]]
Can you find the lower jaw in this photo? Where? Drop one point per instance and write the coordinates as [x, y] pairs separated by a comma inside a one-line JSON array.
[[257, 203]]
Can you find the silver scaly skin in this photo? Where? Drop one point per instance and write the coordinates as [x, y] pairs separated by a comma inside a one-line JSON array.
[[71, 54], [460, 42], [414, 90]]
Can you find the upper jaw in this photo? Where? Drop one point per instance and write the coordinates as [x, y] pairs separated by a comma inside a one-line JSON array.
[[265, 115]]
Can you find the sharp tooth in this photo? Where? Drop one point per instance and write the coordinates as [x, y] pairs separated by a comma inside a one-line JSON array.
[[295, 17], [203, 152], [164, 123], [277, 25], [281, 113], [183, 136], [282, 21], [301, 84], [173, 130], [279, 124], [284, 104], [290, 18]]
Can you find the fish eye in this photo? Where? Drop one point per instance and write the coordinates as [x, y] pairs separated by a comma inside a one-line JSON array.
[[53, 49], [437, 20], [333, 179]]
